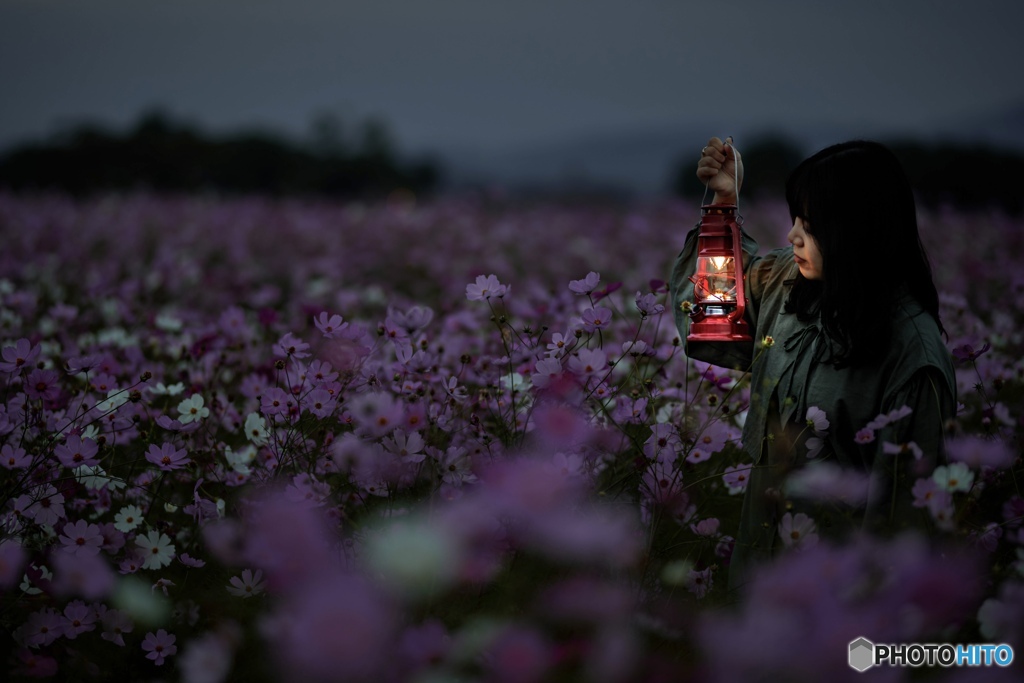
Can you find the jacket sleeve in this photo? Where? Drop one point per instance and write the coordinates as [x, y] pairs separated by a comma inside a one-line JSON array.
[[734, 355]]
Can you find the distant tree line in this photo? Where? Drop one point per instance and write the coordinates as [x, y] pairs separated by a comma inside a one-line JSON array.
[[942, 174], [164, 155]]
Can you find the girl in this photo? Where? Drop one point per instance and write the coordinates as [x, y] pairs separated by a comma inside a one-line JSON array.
[[853, 313]]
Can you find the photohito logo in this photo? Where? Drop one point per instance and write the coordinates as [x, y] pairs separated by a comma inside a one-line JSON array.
[[864, 654]]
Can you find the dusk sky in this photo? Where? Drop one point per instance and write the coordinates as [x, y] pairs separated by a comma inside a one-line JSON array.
[[496, 74]]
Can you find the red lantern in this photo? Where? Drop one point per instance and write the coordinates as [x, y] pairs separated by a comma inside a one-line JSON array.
[[719, 299]]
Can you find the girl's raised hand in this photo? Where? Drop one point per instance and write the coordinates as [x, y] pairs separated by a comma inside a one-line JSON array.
[[719, 167]]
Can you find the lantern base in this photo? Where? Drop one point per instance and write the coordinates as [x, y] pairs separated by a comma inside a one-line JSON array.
[[721, 330]]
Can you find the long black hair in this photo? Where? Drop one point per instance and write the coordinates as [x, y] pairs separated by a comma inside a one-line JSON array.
[[857, 204]]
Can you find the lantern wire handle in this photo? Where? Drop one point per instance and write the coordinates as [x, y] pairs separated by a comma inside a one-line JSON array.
[[736, 181]]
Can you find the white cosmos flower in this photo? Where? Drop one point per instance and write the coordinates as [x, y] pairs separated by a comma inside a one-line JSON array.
[[256, 429], [192, 409], [248, 585], [128, 518], [156, 549]]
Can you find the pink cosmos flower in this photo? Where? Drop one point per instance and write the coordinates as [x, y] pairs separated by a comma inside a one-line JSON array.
[[817, 420], [76, 451], [664, 443], [375, 413], [115, 624], [988, 537], [275, 401], [636, 348], [630, 411], [864, 436], [329, 325], [81, 538], [560, 343], [707, 528], [78, 618], [484, 288], [19, 356], [397, 334], [597, 318], [713, 437], [815, 445], [648, 304], [113, 539], [290, 346], [86, 363], [456, 466], [14, 457], [408, 447], [131, 563], [966, 352], [661, 491], [416, 318], [247, 585], [42, 384], [47, 506], [736, 477], [319, 402], [587, 362], [698, 455], [320, 373], [159, 646], [545, 372], [607, 290], [190, 561], [167, 457], [883, 419], [43, 627], [586, 285]]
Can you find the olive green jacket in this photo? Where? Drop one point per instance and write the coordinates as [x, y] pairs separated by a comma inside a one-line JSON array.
[[791, 375]]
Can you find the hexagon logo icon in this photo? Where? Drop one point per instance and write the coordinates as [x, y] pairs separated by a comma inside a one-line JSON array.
[[862, 654]]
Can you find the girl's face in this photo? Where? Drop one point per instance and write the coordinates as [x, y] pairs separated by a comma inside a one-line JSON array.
[[805, 250]]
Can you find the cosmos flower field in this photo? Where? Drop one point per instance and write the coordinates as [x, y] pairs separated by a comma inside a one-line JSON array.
[[458, 441]]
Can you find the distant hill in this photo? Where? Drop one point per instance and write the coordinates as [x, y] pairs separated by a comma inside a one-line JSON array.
[[644, 163], [165, 155]]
